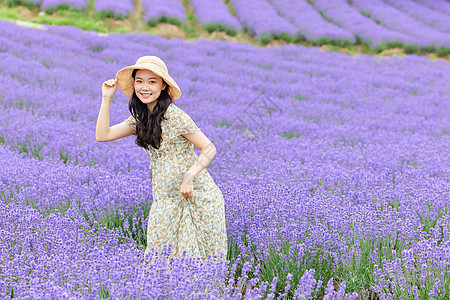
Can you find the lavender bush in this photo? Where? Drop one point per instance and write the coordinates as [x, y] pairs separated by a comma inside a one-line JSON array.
[[429, 17], [333, 169], [156, 11], [393, 19], [440, 5], [259, 18], [117, 9], [310, 24], [366, 30], [214, 16]]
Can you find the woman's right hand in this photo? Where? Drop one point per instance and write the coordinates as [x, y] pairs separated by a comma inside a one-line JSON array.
[[109, 88]]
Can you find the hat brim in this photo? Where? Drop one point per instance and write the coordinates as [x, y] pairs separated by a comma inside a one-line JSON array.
[[126, 82]]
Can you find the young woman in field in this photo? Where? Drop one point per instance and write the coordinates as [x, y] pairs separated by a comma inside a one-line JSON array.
[[188, 208]]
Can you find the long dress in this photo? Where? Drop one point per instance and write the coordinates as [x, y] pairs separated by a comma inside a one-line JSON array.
[[196, 225]]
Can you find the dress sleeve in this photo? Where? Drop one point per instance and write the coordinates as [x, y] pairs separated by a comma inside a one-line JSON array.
[[131, 122], [183, 123]]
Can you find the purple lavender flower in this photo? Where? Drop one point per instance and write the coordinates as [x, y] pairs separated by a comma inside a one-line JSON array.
[[259, 18], [438, 5], [308, 22], [345, 16], [211, 12], [394, 19], [429, 17], [118, 8], [171, 10]]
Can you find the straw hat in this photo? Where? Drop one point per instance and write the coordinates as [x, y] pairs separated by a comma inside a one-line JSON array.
[[154, 64]]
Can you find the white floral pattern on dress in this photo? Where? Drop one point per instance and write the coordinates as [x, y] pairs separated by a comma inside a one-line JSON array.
[[196, 226]]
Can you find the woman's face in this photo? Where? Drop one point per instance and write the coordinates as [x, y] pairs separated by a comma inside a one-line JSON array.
[[148, 87]]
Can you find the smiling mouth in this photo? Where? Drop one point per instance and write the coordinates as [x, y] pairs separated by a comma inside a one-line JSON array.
[[146, 95]]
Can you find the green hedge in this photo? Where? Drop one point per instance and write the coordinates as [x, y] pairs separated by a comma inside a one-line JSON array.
[[164, 19], [211, 27]]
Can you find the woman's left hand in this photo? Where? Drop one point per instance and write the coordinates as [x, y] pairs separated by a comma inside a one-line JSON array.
[[187, 187]]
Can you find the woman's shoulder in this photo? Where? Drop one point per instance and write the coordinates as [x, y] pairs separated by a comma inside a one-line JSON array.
[[173, 111], [173, 107]]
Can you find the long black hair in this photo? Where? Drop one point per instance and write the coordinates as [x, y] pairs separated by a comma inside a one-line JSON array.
[[148, 126]]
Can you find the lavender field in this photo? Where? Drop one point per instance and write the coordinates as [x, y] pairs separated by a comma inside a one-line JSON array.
[[335, 171], [416, 26]]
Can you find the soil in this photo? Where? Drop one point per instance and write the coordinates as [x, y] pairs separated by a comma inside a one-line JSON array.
[[25, 12], [169, 31], [393, 51], [219, 35], [277, 43]]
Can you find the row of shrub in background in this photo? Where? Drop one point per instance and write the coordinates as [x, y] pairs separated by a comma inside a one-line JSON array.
[[377, 26]]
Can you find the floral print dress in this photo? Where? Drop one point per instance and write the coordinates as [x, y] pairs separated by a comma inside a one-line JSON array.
[[195, 225]]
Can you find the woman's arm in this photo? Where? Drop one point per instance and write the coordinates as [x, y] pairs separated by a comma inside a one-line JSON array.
[[103, 132], [208, 151]]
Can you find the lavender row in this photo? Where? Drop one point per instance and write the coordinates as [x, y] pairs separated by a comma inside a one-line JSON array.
[[427, 16], [367, 30], [308, 22], [213, 13], [439, 5], [171, 11], [392, 19], [260, 19], [118, 8]]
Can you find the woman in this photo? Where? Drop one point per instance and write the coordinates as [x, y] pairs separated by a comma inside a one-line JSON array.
[[187, 213]]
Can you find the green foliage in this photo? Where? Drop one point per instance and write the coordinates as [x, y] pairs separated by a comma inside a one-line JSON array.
[[223, 123], [105, 14], [113, 220], [31, 150], [381, 47], [191, 32], [8, 14], [411, 49], [53, 9], [443, 51], [322, 41], [342, 43], [367, 14], [289, 38], [266, 37], [163, 19], [123, 30], [211, 27], [26, 3], [230, 8], [429, 48], [290, 135], [96, 49], [74, 20], [300, 97], [395, 44], [265, 66]]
